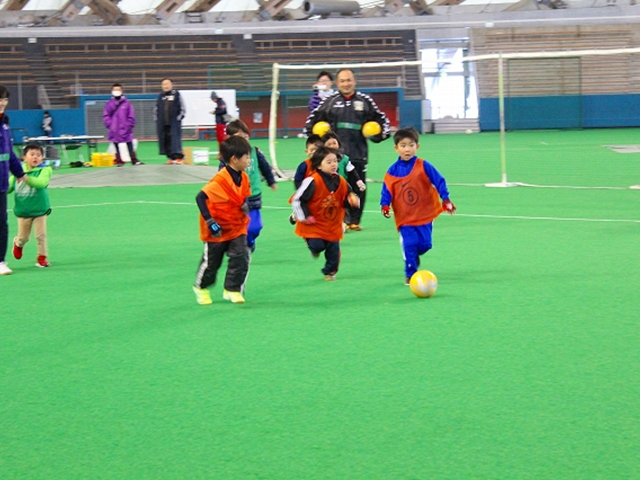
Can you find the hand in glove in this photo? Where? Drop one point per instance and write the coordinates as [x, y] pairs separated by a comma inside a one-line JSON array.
[[214, 228], [385, 211], [448, 206]]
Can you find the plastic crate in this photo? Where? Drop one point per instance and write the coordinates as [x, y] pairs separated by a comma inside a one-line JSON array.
[[102, 159]]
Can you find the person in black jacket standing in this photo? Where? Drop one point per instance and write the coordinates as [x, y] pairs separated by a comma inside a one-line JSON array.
[[169, 111], [347, 110]]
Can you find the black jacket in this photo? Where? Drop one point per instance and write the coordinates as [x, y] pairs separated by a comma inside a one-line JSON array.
[[346, 117]]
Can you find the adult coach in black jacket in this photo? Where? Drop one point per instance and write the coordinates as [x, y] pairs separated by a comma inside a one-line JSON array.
[[169, 112], [346, 111]]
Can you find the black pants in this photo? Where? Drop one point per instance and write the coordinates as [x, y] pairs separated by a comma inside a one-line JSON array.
[[4, 226], [237, 269], [354, 215], [331, 253], [167, 145]]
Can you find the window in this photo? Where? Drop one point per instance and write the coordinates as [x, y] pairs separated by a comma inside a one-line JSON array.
[[449, 83]]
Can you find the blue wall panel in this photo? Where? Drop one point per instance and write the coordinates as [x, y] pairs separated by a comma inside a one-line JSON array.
[[611, 110], [489, 113], [587, 111], [29, 122], [410, 114], [542, 112]]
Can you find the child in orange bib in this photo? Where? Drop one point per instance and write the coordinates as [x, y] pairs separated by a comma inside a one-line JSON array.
[[319, 208], [413, 188], [223, 224]]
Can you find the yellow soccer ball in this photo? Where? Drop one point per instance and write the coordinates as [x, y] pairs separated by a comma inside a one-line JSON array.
[[371, 129], [321, 128], [423, 284]]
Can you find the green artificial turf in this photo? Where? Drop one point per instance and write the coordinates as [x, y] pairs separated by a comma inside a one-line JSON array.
[[524, 364]]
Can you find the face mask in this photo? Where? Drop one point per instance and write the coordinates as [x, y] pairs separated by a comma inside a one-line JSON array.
[[116, 94]]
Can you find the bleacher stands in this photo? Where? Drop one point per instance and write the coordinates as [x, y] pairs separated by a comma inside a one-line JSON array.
[[540, 77]]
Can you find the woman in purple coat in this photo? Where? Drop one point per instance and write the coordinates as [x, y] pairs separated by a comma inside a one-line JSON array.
[[120, 118]]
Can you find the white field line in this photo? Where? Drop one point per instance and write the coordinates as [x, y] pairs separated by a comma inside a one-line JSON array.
[[566, 187], [464, 215]]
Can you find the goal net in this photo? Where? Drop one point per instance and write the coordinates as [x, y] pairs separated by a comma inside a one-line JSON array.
[[569, 89], [288, 80]]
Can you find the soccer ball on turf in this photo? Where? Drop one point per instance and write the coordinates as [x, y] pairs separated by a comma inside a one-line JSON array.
[[423, 284], [371, 129], [321, 128]]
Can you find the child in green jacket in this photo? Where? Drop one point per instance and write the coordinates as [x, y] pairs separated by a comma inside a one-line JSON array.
[[32, 203]]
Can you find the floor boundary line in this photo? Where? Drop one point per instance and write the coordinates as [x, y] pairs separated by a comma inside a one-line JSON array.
[[464, 215]]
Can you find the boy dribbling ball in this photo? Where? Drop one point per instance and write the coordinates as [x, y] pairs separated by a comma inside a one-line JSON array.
[[413, 188]]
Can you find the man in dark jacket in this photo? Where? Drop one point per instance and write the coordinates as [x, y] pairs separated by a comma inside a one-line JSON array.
[[347, 110], [169, 111]]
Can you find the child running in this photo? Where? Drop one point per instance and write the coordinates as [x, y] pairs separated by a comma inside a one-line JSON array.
[[32, 203], [259, 168], [345, 168], [319, 207], [223, 224], [304, 170], [413, 188], [347, 171]]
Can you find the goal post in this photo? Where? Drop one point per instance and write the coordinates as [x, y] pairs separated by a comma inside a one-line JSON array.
[[492, 66]]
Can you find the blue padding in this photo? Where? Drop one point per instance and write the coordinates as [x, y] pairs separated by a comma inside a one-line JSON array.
[[571, 111]]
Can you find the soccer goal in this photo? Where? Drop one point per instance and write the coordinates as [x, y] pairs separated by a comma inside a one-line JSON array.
[[569, 89], [400, 74]]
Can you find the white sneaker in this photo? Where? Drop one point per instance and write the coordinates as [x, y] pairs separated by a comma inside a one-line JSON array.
[[4, 269]]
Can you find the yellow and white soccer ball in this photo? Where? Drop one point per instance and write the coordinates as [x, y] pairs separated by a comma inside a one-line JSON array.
[[371, 129], [321, 128], [423, 283]]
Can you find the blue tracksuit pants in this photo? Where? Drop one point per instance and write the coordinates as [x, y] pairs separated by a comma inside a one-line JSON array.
[[415, 241], [254, 228]]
